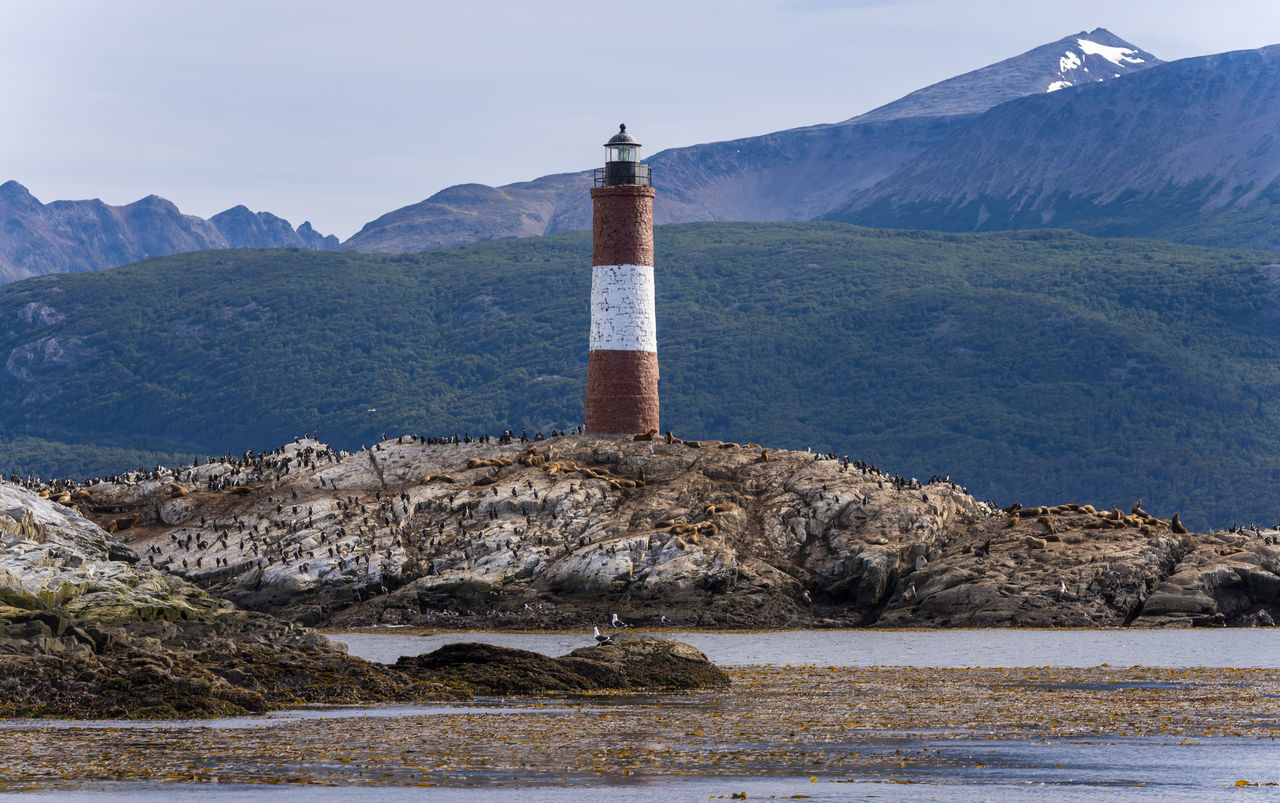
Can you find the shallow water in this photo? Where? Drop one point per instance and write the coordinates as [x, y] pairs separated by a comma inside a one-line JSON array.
[[1225, 647], [1136, 769], [275, 718], [859, 751]]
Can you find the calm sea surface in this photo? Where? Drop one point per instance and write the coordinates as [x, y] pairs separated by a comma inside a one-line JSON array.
[[1226, 647]]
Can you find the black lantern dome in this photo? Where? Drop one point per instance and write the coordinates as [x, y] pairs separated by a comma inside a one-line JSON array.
[[622, 161]]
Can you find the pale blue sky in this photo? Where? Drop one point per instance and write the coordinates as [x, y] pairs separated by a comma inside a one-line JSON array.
[[338, 112]]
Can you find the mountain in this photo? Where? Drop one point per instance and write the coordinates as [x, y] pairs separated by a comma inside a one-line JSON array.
[[1186, 151], [1028, 366], [797, 174], [792, 175], [242, 228], [75, 236], [1084, 58]]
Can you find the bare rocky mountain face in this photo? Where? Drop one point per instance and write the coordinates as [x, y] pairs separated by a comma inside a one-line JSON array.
[[1186, 151], [76, 236], [799, 174], [564, 532]]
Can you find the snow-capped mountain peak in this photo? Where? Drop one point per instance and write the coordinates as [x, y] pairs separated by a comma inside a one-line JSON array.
[[1087, 60], [1083, 57]]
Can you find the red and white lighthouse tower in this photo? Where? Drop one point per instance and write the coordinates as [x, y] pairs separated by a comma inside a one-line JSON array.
[[622, 369]]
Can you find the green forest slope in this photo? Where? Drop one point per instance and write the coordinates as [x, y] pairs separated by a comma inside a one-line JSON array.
[[1034, 366]]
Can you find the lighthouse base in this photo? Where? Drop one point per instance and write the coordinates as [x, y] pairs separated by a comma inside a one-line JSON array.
[[622, 392]]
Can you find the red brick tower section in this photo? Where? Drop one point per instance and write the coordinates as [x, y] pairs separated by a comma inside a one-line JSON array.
[[622, 367]]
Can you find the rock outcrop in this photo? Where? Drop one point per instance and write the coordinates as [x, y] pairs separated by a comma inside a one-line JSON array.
[[85, 631], [564, 531], [626, 663], [556, 532]]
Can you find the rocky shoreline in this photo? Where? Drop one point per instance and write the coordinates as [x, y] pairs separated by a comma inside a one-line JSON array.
[[90, 631], [565, 531]]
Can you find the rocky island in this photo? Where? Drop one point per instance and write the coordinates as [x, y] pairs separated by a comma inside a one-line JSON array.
[[526, 533], [89, 630]]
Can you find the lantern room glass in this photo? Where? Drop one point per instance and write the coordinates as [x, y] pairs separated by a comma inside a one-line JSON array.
[[622, 153]]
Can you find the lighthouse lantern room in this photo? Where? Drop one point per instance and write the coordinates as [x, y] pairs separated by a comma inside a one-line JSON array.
[[622, 162]]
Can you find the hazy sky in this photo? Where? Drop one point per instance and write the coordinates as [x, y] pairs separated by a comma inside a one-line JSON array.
[[338, 112]]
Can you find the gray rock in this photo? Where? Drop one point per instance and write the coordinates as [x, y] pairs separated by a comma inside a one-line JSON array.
[[1263, 586], [176, 511]]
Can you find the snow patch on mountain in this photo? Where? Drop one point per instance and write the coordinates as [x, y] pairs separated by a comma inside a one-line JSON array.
[[1119, 56], [1073, 63]]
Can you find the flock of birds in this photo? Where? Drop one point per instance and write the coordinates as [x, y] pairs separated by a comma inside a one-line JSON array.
[[378, 536]]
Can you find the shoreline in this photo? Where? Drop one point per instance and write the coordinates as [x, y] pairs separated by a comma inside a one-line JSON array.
[[784, 724]]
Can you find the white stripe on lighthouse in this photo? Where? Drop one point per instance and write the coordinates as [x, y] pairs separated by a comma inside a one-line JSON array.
[[622, 316]]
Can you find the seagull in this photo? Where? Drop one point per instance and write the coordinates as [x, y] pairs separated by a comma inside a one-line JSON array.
[[1062, 589], [662, 619], [616, 622], [601, 639]]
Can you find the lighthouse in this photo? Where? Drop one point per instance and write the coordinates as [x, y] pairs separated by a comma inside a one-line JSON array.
[[622, 366]]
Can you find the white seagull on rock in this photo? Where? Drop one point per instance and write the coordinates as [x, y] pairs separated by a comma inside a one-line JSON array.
[[602, 639]]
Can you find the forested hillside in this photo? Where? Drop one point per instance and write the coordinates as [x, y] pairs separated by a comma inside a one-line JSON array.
[[1035, 366]]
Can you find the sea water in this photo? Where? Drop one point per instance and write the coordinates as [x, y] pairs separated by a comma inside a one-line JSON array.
[[1221, 647], [1141, 768]]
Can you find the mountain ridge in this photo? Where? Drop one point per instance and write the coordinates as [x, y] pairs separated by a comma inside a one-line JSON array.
[[1184, 152], [87, 235], [795, 174], [1020, 76]]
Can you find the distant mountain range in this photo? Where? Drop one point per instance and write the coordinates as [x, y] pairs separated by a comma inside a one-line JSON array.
[[799, 174], [793, 175], [76, 236], [1090, 133]]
